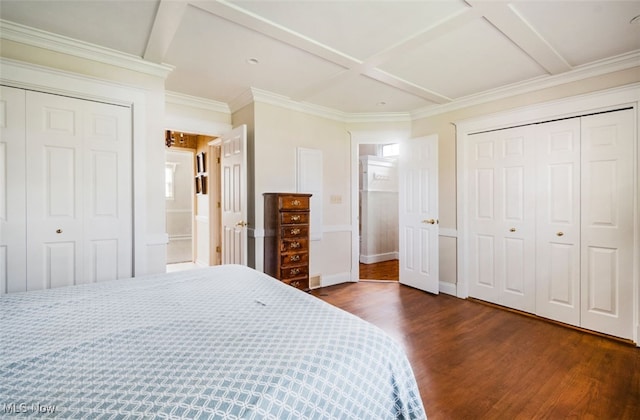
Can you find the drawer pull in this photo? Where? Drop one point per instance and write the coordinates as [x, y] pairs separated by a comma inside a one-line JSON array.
[[295, 231], [295, 203], [560, 234], [294, 271], [295, 258], [295, 218], [295, 245], [295, 283], [512, 230]]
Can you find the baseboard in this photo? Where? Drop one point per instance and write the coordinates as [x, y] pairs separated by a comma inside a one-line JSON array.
[[375, 258], [334, 279], [448, 288]]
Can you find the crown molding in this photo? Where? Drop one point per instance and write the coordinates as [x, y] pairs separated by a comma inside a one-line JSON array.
[[196, 102], [37, 38], [597, 68], [262, 96]]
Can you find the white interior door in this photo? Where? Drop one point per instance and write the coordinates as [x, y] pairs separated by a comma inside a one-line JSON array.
[[501, 217], [418, 213], [233, 167], [558, 220], [13, 255], [79, 203], [607, 222]]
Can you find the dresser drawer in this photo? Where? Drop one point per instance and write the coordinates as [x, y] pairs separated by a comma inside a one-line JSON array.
[[287, 245], [302, 284], [295, 231], [294, 259], [293, 272], [294, 203], [288, 218]]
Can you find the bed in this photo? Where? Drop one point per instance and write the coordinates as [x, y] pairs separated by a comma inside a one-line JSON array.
[[218, 342]]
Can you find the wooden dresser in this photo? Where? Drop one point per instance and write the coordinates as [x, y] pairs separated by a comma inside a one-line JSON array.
[[286, 242]]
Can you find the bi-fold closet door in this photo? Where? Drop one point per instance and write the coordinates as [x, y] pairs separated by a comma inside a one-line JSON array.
[[551, 220], [66, 191]]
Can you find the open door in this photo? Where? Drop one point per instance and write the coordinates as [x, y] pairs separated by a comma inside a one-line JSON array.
[[418, 213], [233, 168]]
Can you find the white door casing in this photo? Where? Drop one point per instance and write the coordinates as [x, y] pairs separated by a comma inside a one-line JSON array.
[[13, 252], [501, 217], [607, 221], [418, 213], [233, 167], [558, 220], [79, 198]]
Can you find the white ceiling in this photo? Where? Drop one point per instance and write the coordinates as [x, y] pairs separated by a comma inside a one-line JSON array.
[[350, 56]]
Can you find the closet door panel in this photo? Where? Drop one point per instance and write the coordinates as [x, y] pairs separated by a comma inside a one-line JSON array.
[[54, 190], [607, 222], [12, 191], [558, 221], [502, 221], [107, 196]]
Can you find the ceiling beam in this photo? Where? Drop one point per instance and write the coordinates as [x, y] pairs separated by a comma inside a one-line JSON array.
[[507, 20], [165, 26]]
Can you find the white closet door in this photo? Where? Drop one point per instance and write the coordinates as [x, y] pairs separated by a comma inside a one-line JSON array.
[[107, 192], [607, 223], [13, 254], [78, 178], [501, 217], [558, 220]]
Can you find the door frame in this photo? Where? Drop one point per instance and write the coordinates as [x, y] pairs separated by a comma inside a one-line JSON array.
[[601, 101], [358, 138]]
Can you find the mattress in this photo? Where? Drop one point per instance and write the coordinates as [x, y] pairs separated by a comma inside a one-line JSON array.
[[223, 342]]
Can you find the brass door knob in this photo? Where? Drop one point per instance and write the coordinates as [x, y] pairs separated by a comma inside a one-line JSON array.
[[242, 223], [430, 221]]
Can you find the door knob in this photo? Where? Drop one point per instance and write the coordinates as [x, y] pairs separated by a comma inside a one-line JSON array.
[[242, 223], [430, 221]]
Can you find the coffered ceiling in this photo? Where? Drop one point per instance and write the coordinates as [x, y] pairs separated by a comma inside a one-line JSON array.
[[352, 56]]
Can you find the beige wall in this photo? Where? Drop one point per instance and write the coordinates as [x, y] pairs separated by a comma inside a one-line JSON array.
[[278, 134], [443, 126]]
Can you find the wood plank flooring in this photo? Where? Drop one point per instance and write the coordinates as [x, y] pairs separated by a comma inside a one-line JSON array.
[[473, 361], [384, 270]]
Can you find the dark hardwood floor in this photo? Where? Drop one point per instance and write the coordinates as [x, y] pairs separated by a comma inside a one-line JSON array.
[[473, 361], [384, 270]]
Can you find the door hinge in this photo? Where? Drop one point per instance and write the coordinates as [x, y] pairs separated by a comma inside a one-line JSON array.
[[218, 250], [218, 159], [219, 204]]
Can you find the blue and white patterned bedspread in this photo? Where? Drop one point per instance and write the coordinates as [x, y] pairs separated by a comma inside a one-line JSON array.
[[219, 342]]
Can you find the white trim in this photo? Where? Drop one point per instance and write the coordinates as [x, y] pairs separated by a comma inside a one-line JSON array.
[[38, 38], [448, 288], [255, 233], [598, 68], [375, 258], [196, 102], [334, 279], [609, 99], [336, 228], [252, 95], [448, 232]]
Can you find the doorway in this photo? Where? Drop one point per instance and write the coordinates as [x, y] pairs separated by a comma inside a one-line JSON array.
[[378, 211], [191, 193]]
